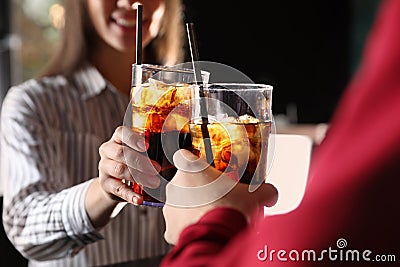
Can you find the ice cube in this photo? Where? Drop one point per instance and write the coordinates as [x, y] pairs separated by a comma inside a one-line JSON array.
[[222, 117], [247, 119]]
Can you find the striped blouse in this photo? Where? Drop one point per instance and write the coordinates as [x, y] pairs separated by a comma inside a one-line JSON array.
[[51, 132]]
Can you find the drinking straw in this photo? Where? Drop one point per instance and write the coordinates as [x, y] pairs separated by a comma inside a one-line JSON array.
[[138, 67], [139, 12], [194, 51]]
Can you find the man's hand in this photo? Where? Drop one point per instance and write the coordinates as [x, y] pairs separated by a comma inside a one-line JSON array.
[[198, 188]]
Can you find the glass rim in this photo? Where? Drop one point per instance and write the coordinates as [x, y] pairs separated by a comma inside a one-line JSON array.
[[238, 86], [167, 68]]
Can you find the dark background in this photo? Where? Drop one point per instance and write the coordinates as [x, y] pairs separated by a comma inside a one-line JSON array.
[[307, 50]]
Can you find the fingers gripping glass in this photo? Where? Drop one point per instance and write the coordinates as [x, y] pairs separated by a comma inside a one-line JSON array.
[[160, 112]]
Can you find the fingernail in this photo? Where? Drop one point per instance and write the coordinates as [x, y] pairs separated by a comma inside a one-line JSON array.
[[137, 201], [141, 144]]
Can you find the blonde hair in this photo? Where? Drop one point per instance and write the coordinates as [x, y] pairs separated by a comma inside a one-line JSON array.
[[167, 48]]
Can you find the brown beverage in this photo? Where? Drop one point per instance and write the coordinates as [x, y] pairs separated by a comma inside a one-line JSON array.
[[160, 113], [238, 145]]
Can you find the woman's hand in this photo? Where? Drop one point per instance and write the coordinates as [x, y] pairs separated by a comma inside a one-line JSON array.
[[198, 188], [121, 160]]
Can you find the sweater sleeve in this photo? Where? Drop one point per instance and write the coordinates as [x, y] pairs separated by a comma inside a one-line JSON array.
[[202, 241]]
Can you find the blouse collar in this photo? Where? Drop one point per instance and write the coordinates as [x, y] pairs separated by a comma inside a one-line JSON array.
[[89, 81]]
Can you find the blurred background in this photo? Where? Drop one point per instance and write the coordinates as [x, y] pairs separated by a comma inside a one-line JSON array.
[[308, 50]]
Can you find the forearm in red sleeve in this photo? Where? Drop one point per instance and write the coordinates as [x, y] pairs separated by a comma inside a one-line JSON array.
[[200, 243]]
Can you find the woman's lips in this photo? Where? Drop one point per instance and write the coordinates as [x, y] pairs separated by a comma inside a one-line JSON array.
[[125, 22], [123, 18]]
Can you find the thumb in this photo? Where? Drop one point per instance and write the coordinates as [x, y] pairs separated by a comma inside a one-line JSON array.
[[192, 171], [186, 161], [195, 183]]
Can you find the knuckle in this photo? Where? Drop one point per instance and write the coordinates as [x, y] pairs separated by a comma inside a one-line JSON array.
[[117, 134], [118, 131], [101, 169], [101, 149], [119, 168], [123, 192], [100, 164], [118, 190], [119, 152]]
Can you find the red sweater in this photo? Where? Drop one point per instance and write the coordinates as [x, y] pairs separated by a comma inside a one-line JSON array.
[[350, 208]]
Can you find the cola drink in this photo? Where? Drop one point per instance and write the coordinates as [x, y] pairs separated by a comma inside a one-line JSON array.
[[160, 114], [239, 148]]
